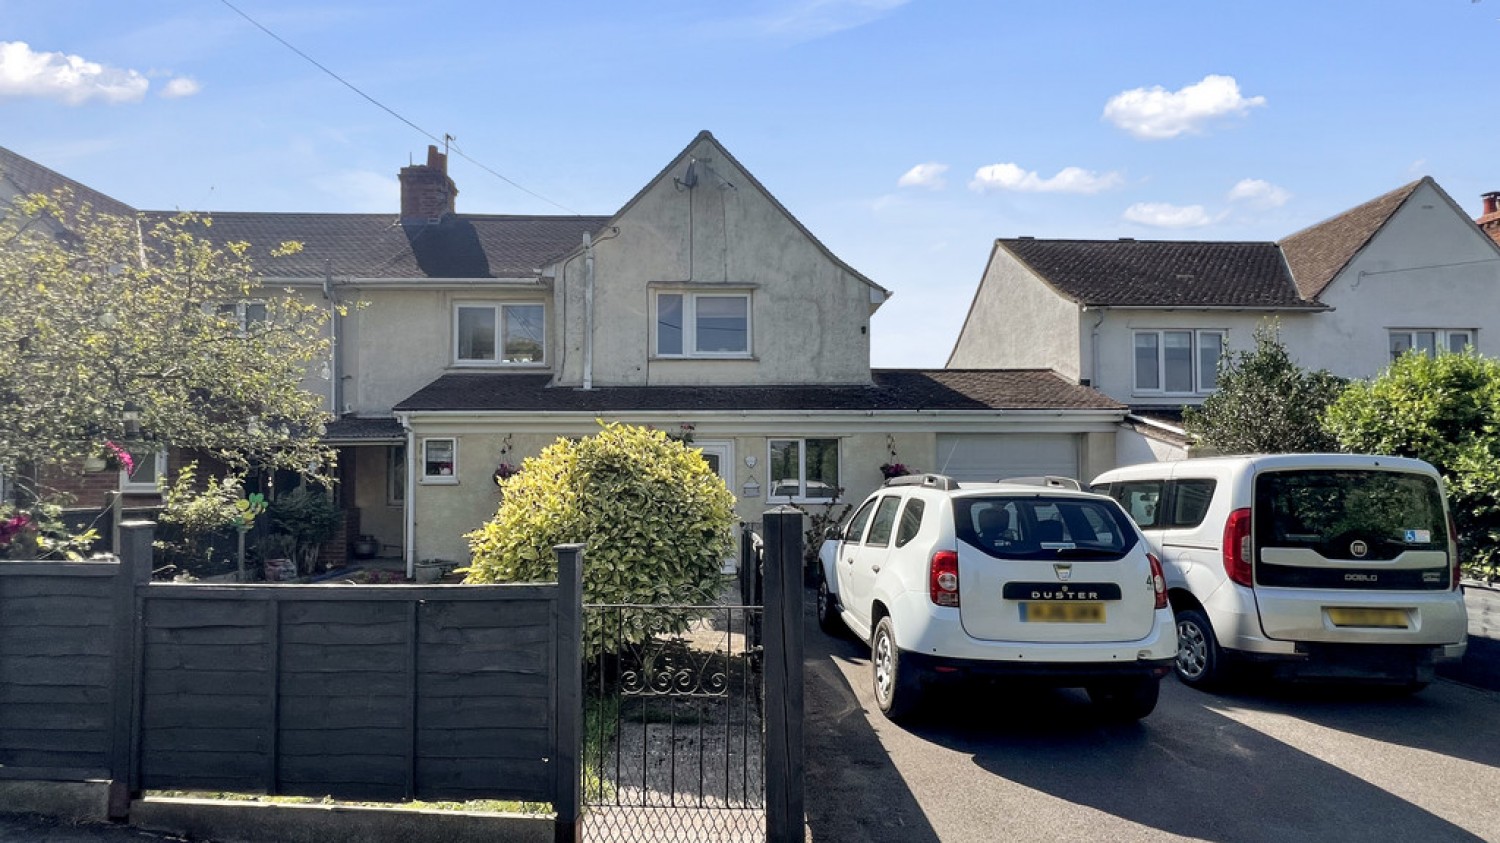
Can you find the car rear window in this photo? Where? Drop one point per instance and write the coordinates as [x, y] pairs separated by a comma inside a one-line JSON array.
[[1382, 513], [1043, 527]]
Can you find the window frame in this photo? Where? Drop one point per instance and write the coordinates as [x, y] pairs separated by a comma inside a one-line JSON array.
[[802, 480], [1202, 381], [497, 321], [395, 475], [450, 479], [689, 327], [240, 313], [1442, 339], [131, 486]]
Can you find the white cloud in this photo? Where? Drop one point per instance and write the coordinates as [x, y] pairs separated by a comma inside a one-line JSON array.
[[69, 79], [1010, 176], [1156, 113], [1164, 215], [1259, 193], [181, 86], [929, 175]]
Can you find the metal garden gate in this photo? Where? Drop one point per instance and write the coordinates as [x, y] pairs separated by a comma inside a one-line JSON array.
[[692, 729]]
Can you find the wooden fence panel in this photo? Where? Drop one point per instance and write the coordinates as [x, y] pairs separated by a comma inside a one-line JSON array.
[[56, 671]]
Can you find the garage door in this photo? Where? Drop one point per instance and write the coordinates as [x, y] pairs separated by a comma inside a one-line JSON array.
[[990, 457]]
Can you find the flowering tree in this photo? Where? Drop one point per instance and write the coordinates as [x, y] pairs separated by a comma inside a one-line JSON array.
[[128, 331]]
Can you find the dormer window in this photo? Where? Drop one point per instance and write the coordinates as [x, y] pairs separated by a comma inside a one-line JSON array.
[[700, 324], [487, 334]]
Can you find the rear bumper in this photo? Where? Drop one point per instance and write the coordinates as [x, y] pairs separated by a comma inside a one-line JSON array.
[[1356, 662], [1062, 674]]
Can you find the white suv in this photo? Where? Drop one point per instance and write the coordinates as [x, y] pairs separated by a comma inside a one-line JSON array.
[[1317, 566], [1037, 582]]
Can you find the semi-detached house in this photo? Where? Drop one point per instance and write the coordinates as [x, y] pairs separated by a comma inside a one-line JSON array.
[[701, 307], [1146, 321]]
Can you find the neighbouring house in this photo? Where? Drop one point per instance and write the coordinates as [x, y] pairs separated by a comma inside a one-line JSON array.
[[1145, 322], [701, 307]]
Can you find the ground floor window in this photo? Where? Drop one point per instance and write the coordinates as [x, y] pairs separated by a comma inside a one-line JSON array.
[[147, 466], [803, 469], [440, 460]]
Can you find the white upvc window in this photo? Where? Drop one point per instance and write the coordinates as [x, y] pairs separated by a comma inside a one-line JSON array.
[[245, 314], [439, 460], [149, 466], [1429, 341], [490, 333], [1178, 362], [802, 469], [700, 324]]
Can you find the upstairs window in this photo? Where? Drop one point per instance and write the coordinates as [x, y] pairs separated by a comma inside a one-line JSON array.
[[1177, 362], [499, 333], [245, 314], [1430, 341], [702, 324]]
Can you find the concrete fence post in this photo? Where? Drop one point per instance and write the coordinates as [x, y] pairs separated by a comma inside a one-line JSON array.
[[136, 557]]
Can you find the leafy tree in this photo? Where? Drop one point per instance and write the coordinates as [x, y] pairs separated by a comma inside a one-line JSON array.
[[657, 521], [309, 516], [1265, 403], [102, 313], [1445, 410]]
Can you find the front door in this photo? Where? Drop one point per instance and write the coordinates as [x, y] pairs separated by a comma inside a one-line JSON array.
[[719, 454]]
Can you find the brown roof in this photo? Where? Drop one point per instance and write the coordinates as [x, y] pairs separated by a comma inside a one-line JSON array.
[[381, 246], [1318, 253], [893, 389], [1161, 273], [30, 177]]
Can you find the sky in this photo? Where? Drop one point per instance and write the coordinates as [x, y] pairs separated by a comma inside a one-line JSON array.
[[907, 135]]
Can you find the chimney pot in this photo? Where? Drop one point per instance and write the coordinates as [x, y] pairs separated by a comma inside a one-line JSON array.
[[1491, 202]]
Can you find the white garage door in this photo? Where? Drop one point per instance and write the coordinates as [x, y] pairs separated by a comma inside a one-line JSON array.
[[990, 457]]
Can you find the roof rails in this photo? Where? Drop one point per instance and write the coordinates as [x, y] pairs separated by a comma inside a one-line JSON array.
[[1051, 481], [941, 482]]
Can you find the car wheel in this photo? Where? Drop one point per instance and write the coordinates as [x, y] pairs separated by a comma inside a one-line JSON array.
[[1126, 699], [1200, 662], [828, 610], [896, 688]]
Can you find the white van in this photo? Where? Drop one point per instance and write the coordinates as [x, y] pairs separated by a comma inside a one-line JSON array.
[[1329, 566]]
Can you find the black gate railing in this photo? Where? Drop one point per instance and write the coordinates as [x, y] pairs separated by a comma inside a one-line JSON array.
[[677, 726]]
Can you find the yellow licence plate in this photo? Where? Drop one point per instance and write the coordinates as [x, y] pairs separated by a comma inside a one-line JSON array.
[[1062, 612], [1365, 617]]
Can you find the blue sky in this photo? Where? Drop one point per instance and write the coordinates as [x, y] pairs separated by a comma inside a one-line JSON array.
[[906, 134]]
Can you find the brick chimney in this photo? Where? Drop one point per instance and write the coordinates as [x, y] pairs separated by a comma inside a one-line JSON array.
[[426, 191], [1489, 221]]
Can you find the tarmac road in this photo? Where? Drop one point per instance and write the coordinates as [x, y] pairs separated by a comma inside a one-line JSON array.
[[1262, 763]]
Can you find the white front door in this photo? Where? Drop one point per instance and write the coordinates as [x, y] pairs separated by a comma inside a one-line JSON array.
[[720, 457]]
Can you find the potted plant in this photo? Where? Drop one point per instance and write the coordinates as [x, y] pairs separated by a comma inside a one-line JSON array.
[[278, 552], [310, 517]]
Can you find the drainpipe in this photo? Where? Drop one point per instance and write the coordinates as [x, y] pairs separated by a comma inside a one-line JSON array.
[[411, 492], [588, 311]]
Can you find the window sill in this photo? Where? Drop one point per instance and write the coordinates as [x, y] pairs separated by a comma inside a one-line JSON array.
[[698, 358], [492, 364], [438, 481]]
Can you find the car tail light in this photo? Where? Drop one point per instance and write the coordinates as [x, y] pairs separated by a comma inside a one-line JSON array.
[[1158, 581], [942, 578], [1237, 547], [1453, 553]]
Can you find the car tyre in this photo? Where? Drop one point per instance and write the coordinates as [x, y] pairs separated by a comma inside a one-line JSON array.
[[896, 688], [1200, 662], [1126, 699], [828, 610]]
